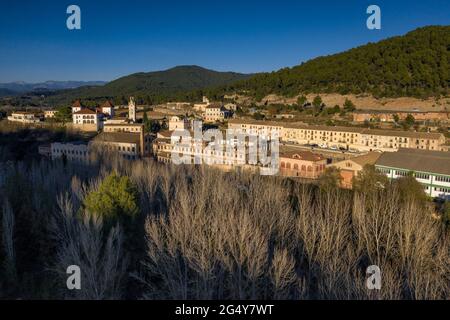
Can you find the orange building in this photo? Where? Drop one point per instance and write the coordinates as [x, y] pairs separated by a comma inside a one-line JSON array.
[[350, 168], [302, 164]]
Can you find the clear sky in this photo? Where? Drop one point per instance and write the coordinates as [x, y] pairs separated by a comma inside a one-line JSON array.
[[119, 37]]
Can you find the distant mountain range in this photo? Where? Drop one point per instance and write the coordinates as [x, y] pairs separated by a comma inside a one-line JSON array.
[[22, 87]]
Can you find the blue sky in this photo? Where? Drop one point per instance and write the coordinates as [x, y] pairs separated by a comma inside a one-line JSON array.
[[121, 37]]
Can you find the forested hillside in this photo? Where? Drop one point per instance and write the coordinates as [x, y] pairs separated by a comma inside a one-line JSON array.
[[155, 86], [416, 64]]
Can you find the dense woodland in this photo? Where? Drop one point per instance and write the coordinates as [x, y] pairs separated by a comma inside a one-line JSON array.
[[153, 87], [146, 230], [416, 64]]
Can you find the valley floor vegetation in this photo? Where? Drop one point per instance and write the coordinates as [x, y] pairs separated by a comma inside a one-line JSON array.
[[144, 230]]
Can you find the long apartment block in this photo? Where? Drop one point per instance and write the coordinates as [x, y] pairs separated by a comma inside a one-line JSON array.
[[360, 139]]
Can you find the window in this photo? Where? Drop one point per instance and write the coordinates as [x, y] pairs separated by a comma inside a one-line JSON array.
[[401, 173], [442, 179], [422, 176], [385, 171]]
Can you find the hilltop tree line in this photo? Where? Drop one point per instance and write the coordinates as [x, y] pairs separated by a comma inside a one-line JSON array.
[[417, 64]]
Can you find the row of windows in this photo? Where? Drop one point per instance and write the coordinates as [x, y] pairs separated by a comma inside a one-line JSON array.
[[440, 189], [122, 148], [422, 176], [442, 179], [303, 167], [74, 152], [418, 175], [385, 171], [401, 173], [126, 129], [86, 122], [86, 117]]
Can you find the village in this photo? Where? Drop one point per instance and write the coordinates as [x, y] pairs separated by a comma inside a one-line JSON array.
[[306, 151]]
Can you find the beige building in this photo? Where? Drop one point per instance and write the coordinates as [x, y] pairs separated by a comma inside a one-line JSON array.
[[132, 128], [388, 116], [179, 123], [49, 114], [24, 117], [201, 107], [216, 112], [350, 168], [333, 137], [125, 144]]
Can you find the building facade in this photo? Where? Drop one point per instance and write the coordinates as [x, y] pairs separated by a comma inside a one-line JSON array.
[[216, 112], [179, 123], [388, 116], [107, 108], [350, 168], [302, 164], [24, 117], [133, 128], [49, 114], [88, 120], [77, 106], [430, 168], [125, 144], [360, 139], [72, 151]]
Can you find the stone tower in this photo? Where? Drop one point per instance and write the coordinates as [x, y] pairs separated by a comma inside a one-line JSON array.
[[132, 110]]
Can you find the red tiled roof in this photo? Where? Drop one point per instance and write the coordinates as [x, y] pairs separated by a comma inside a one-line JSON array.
[[107, 104], [85, 111], [77, 104], [301, 155]]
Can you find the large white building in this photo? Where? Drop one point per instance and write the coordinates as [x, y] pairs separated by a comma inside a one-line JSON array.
[[88, 120], [360, 139], [72, 151], [430, 168]]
